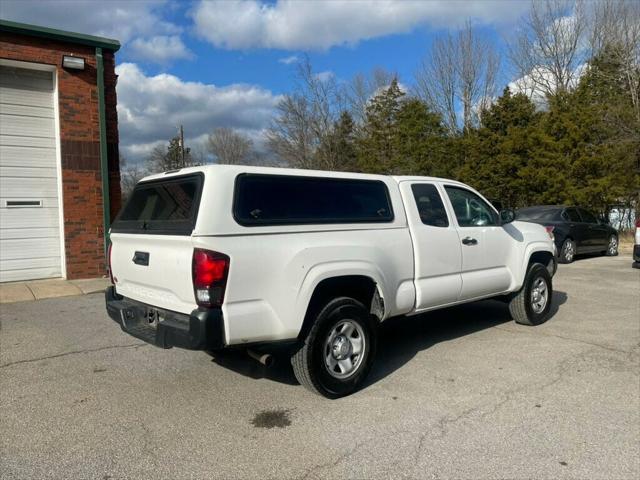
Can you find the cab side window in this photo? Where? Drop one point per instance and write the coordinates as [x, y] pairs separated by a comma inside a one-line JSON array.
[[470, 209], [430, 206]]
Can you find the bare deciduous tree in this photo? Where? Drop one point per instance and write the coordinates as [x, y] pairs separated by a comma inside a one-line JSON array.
[[615, 22], [130, 175], [459, 70], [173, 156], [548, 50], [615, 27], [306, 130], [362, 89], [304, 119], [291, 134], [199, 154], [229, 146]]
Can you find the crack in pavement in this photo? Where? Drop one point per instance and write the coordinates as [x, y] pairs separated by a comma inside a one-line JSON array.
[[75, 352], [606, 347], [480, 411], [342, 457], [313, 470], [443, 423]]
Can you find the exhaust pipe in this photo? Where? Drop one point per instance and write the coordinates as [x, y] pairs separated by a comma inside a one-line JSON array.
[[265, 359]]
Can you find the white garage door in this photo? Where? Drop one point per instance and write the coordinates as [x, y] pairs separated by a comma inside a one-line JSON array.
[[29, 212]]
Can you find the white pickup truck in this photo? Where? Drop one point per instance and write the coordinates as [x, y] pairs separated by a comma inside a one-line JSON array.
[[215, 257]]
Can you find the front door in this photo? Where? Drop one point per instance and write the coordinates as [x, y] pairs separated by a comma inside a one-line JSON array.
[[597, 234], [437, 250], [485, 244]]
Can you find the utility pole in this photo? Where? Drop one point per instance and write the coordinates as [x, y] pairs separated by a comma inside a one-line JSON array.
[[182, 146]]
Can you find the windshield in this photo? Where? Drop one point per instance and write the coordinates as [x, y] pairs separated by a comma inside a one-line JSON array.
[[168, 206]]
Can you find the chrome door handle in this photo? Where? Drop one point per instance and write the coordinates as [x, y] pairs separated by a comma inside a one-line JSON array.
[[469, 241]]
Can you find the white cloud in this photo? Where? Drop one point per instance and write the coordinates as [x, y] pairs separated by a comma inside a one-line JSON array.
[[325, 76], [314, 24], [531, 84], [140, 25], [289, 60], [161, 49], [150, 109], [119, 19]]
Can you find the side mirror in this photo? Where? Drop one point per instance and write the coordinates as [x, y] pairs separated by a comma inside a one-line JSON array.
[[507, 216]]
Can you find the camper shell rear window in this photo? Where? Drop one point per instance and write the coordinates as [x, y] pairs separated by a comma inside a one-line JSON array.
[[264, 199], [165, 206]]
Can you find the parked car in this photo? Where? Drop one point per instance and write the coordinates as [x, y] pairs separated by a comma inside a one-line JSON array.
[[636, 246], [575, 230], [219, 257]]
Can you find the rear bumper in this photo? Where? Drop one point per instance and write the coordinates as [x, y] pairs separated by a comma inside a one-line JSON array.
[[203, 329]]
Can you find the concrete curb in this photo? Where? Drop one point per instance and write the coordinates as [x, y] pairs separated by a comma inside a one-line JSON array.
[[40, 289]]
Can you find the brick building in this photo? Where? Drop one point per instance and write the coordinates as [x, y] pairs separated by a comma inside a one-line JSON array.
[[58, 152]]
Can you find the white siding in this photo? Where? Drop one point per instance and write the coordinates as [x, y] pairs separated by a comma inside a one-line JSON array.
[[29, 236]]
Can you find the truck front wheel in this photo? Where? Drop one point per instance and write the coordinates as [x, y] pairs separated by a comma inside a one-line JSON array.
[[338, 352], [532, 304]]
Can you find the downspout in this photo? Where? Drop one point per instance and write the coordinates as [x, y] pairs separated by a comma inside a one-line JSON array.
[[104, 161]]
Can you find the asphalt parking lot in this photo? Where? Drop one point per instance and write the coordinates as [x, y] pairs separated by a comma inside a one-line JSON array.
[[460, 393]]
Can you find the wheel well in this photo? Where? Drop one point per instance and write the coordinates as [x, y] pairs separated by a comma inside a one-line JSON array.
[[567, 237], [358, 287], [545, 258]]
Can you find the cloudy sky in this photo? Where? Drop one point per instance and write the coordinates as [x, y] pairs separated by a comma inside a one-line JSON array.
[[214, 63]]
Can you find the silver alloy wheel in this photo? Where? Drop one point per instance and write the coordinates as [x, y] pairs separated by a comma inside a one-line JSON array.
[[539, 295], [569, 251], [344, 349], [613, 245]]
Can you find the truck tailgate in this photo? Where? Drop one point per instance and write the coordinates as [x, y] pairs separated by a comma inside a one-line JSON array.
[[151, 247], [154, 269]]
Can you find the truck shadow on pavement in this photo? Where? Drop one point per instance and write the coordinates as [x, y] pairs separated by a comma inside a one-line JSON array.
[[400, 339]]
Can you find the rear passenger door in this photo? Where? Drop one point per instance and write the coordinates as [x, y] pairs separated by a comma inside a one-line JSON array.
[[578, 230], [486, 245], [437, 251]]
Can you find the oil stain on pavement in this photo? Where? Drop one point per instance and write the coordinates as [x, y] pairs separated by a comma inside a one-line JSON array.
[[272, 419]]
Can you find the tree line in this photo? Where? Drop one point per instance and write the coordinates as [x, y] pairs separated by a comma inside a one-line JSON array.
[[567, 131]]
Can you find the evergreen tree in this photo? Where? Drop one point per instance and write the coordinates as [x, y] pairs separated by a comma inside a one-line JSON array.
[[343, 134], [498, 154], [597, 136], [337, 147], [170, 157], [175, 157], [377, 147], [420, 143]]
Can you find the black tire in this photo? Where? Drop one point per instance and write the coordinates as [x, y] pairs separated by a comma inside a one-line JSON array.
[[567, 251], [612, 247], [522, 304], [309, 365]]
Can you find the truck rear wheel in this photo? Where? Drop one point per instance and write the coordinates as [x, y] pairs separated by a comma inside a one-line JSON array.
[[532, 304], [338, 352]]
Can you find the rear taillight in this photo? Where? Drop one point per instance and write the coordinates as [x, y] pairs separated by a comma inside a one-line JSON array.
[[210, 271], [550, 232], [109, 263]]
